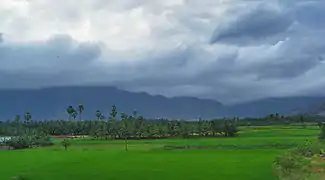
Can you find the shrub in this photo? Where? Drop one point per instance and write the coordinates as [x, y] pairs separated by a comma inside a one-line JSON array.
[[289, 161], [20, 142], [230, 128], [43, 141], [310, 149], [291, 166], [65, 143], [299, 162]]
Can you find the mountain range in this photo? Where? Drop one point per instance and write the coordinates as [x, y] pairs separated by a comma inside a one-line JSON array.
[[51, 103]]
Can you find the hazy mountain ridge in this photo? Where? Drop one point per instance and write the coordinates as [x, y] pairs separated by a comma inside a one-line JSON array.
[[284, 106], [50, 103]]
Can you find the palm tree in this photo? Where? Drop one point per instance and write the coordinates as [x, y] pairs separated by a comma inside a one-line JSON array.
[[28, 118], [74, 115], [98, 114], [113, 113], [102, 117], [80, 110], [70, 110]]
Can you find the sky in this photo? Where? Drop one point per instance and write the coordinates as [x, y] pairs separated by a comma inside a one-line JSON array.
[[228, 50]]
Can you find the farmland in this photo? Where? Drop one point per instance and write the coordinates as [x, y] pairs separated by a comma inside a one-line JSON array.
[[248, 157]]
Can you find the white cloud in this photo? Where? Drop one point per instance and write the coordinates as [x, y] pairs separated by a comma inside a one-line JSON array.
[[260, 48]]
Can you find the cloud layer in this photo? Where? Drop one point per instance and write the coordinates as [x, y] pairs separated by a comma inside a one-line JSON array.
[[229, 50]]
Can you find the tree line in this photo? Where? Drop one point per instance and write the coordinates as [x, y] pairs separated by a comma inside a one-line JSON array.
[[119, 125], [27, 132]]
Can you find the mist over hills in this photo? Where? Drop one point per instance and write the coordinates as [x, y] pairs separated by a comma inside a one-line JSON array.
[[51, 103]]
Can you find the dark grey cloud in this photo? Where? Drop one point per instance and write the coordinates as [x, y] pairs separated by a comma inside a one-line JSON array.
[[54, 61], [255, 23], [227, 50], [311, 14]]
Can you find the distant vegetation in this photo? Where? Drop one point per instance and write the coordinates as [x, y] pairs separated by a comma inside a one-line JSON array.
[[118, 125]]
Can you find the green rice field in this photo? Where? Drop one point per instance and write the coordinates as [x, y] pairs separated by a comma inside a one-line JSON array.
[[247, 157]]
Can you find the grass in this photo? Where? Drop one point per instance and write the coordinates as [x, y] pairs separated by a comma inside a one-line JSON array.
[[147, 159]]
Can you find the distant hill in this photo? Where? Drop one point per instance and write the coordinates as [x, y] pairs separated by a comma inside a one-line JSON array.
[[317, 109], [284, 106], [50, 103]]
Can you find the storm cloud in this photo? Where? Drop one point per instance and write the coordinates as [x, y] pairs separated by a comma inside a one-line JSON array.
[[229, 50]]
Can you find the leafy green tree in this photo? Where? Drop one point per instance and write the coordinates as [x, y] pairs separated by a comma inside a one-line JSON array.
[[215, 127], [185, 129], [230, 128]]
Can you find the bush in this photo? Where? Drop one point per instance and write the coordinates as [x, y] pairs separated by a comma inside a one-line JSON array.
[[289, 161], [23, 142], [291, 166], [299, 163], [43, 141], [310, 149], [65, 143], [20, 142], [230, 128]]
